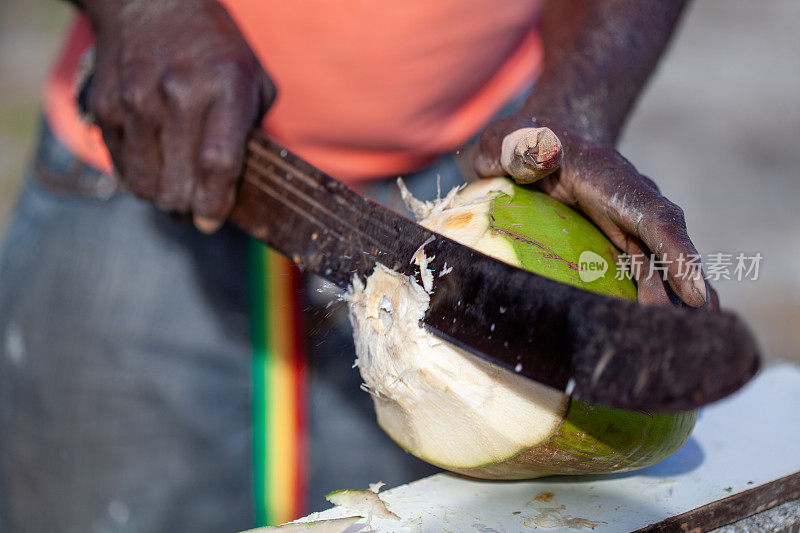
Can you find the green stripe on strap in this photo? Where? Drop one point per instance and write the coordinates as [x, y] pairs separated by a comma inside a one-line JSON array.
[[278, 388]]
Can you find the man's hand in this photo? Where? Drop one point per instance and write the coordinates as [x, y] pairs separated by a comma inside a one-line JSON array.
[[176, 90], [627, 206], [598, 55]]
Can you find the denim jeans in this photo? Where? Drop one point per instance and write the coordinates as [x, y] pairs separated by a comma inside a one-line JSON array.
[[125, 386]]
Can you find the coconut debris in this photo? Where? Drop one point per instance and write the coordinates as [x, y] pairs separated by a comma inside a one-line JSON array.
[[553, 518], [420, 259], [424, 209], [462, 214], [335, 525], [365, 501]]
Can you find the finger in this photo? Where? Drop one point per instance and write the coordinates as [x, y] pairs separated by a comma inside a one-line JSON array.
[[712, 306], [650, 183], [652, 289], [663, 230], [530, 154], [104, 102], [139, 156], [640, 210], [179, 175], [180, 141], [220, 158], [139, 151], [486, 154]]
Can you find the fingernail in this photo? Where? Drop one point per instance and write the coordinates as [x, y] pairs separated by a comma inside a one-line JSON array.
[[207, 225], [549, 149], [700, 287]]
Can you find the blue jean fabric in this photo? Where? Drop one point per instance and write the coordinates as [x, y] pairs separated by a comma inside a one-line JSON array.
[[125, 386]]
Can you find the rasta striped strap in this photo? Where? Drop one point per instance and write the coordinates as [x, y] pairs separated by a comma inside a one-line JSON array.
[[279, 387]]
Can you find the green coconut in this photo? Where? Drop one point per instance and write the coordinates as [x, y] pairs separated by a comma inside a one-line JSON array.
[[463, 414]]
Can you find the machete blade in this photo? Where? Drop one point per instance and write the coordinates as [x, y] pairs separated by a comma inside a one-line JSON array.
[[598, 348]]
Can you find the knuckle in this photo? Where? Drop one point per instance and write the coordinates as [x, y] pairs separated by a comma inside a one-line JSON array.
[[237, 84], [178, 89], [236, 71], [668, 215], [101, 104], [650, 183], [219, 159], [136, 97], [675, 212], [232, 70]]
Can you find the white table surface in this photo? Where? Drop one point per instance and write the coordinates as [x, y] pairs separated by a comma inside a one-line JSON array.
[[746, 440]]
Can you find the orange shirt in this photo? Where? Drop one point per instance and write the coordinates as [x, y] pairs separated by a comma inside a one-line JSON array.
[[367, 88]]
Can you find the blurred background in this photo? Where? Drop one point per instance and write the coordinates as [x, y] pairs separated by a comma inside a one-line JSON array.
[[718, 129]]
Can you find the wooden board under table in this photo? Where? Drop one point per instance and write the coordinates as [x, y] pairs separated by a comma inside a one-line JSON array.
[[743, 458]]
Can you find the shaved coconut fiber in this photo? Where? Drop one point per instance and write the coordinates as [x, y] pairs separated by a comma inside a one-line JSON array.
[[464, 414], [366, 502], [335, 525]]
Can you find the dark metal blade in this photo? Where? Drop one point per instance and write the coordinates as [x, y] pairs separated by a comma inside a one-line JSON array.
[[598, 348]]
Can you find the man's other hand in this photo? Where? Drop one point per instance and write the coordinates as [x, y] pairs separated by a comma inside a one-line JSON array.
[[627, 206], [176, 90]]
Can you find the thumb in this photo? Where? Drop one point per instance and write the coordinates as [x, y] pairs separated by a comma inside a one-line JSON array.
[[486, 156], [514, 146], [530, 154]]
